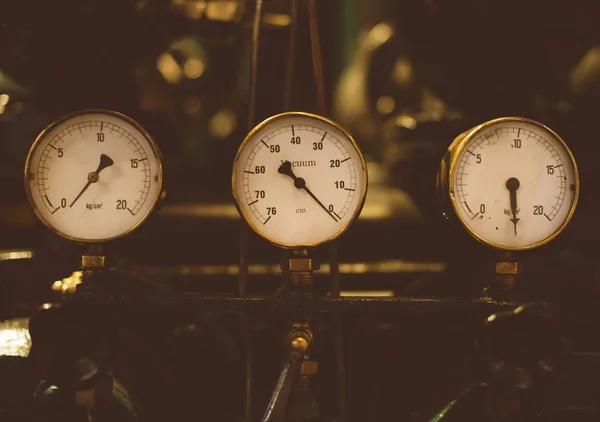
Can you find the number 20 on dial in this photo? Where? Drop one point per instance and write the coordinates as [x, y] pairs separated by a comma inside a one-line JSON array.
[[93, 176], [512, 182], [299, 180]]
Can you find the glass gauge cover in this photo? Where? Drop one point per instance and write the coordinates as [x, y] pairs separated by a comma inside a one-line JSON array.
[[93, 176], [299, 180], [513, 183]]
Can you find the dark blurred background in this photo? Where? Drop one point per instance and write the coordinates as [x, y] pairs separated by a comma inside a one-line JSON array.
[[403, 76]]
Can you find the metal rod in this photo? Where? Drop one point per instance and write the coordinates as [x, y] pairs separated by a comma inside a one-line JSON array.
[[281, 394], [338, 331], [245, 235], [317, 57], [242, 285], [289, 76], [249, 372], [254, 62], [341, 373], [334, 269]]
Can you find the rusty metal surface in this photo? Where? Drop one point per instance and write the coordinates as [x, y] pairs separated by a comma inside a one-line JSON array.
[[326, 304]]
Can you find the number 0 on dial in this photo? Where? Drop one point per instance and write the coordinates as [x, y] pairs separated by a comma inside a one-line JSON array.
[[93, 176], [299, 180]]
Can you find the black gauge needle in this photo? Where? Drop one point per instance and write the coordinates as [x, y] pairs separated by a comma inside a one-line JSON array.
[[105, 161], [300, 183], [512, 185]]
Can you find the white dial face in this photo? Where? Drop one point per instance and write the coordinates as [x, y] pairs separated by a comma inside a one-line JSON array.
[[299, 180], [94, 176], [515, 184]]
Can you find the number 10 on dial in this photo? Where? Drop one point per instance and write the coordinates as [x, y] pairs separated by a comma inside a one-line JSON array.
[[299, 180]]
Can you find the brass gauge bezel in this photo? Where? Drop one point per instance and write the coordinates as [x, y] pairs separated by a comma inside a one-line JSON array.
[[118, 115], [445, 181], [322, 120]]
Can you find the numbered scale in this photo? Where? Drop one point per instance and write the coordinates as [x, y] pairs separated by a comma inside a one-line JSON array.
[[512, 182], [299, 180], [93, 176]]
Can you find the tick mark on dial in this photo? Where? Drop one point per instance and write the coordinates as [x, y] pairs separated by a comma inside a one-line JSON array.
[[546, 215], [349, 189], [130, 211], [265, 222], [46, 196], [264, 143], [473, 218], [249, 172], [253, 202], [51, 146], [346, 159]]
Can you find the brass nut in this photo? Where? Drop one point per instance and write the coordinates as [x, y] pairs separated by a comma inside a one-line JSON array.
[[92, 261], [507, 268], [301, 264], [309, 367]]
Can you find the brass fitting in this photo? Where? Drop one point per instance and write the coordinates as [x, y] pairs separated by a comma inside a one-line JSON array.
[[92, 261], [507, 268], [301, 264], [300, 338], [299, 344], [309, 367]]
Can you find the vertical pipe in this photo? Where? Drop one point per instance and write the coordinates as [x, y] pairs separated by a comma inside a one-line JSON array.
[[317, 57], [341, 373], [249, 372], [289, 76], [242, 285], [254, 62], [334, 272], [245, 236]]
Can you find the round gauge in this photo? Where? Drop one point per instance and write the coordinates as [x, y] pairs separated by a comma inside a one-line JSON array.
[[93, 176], [512, 182], [299, 180]]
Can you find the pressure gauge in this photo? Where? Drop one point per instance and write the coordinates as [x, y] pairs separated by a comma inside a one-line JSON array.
[[512, 182], [299, 180], [93, 176]]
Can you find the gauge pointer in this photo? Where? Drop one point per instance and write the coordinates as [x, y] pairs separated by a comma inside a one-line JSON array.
[[105, 161], [300, 183], [512, 185]]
